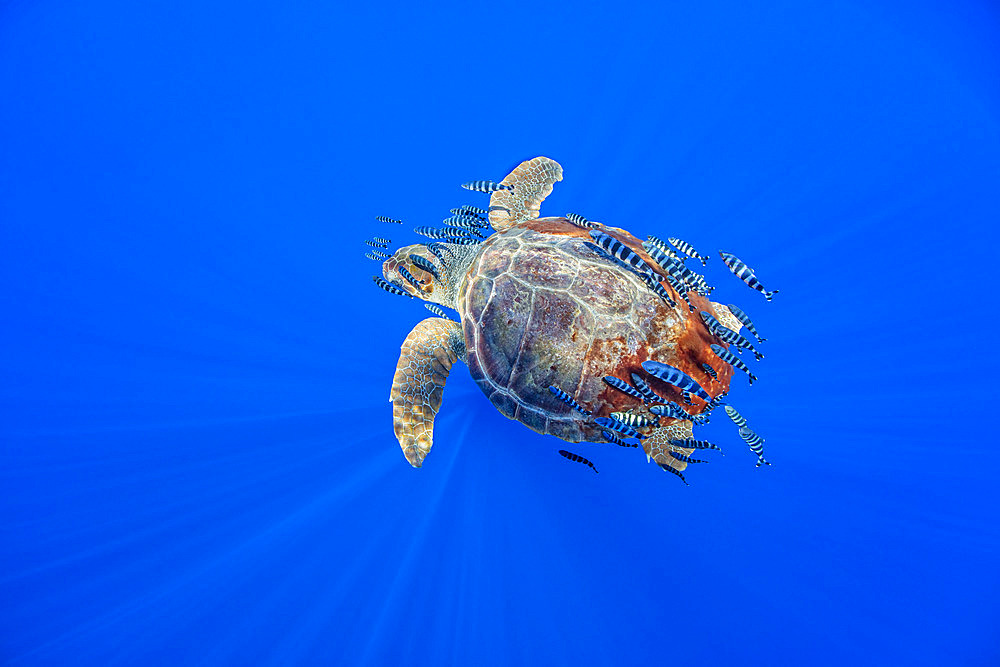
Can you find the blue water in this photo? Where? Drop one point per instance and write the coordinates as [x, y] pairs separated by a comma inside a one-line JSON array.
[[197, 462]]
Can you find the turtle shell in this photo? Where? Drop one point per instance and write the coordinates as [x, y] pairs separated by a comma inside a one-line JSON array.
[[540, 308]]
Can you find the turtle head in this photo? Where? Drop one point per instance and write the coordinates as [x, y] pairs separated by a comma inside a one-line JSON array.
[[418, 271]]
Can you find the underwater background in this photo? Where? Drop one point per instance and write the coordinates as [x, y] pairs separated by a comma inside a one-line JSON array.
[[197, 463]]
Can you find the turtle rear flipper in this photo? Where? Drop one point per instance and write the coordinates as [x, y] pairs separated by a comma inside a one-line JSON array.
[[425, 360], [658, 446], [531, 182]]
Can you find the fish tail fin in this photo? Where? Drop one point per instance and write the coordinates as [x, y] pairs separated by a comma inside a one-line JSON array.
[[752, 377], [770, 294]]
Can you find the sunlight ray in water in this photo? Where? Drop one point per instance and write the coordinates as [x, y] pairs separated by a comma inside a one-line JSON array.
[[207, 578], [424, 514]]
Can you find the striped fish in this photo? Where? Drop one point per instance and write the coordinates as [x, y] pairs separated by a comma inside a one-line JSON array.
[[580, 221], [391, 288], [659, 290], [438, 251], [681, 289], [692, 278], [611, 437], [578, 459], [732, 360], [727, 335], [478, 231], [466, 221], [711, 371], [744, 344], [677, 472], [425, 264], [691, 443], [432, 232], [756, 444], [685, 458], [622, 385], [377, 256], [486, 186], [648, 395], [688, 250], [410, 278], [742, 317], [745, 273], [737, 418], [674, 411], [462, 213], [382, 218], [625, 266], [715, 402], [710, 322], [700, 285], [471, 210], [675, 377], [614, 260], [696, 281], [377, 243], [437, 310], [670, 411], [621, 251], [568, 400], [666, 264], [475, 223], [462, 240], [671, 268], [615, 425], [635, 421], [499, 208], [660, 257], [461, 232], [664, 248]]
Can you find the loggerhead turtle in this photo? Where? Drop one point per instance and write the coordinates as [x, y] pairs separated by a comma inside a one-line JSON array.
[[540, 308]]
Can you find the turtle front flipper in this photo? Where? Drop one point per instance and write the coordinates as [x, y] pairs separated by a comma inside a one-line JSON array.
[[425, 360], [531, 182]]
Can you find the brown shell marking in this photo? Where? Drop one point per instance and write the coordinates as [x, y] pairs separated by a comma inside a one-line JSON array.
[[539, 308]]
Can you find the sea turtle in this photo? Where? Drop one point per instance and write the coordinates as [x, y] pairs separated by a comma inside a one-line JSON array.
[[541, 307]]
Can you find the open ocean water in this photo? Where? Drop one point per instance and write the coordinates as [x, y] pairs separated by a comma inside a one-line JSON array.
[[197, 464]]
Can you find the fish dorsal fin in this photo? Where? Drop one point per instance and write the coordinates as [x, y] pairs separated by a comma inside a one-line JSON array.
[[531, 183]]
